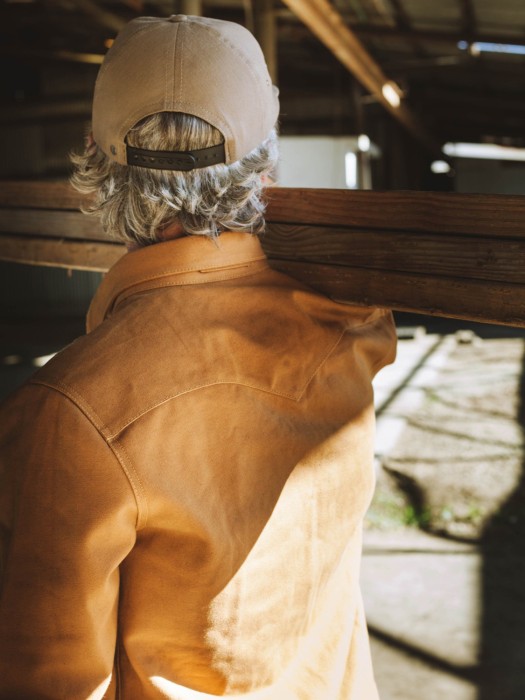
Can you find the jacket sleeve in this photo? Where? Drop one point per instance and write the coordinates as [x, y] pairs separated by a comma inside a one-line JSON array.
[[67, 520]]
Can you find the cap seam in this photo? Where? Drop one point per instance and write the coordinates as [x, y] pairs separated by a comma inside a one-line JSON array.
[[139, 30], [166, 69], [258, 79], [180, 50]]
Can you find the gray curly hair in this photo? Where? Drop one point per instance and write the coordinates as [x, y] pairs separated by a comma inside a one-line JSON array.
[[136, 204]]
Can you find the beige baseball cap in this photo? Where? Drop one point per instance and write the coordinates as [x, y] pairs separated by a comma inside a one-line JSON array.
[[208, 68]]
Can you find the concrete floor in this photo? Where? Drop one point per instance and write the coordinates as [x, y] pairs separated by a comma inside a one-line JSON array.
[[447, 613]]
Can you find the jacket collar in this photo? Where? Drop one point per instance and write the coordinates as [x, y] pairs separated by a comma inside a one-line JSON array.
[[187, 260]]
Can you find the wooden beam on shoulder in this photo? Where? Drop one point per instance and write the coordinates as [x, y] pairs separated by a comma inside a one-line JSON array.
[[443, 254]]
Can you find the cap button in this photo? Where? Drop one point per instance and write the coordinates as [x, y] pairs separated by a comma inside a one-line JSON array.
[[178, 18]]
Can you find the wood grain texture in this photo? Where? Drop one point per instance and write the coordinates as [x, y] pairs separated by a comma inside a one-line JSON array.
[[439, 212], [39, 195], [472, 300], [429, 254], [76, 255], [434, 253], [48, 222]]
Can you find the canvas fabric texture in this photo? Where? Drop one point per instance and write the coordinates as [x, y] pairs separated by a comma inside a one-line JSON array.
[[183, 489]]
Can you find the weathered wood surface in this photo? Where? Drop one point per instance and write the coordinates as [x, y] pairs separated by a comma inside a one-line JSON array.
[[437, 253], [78, 255]]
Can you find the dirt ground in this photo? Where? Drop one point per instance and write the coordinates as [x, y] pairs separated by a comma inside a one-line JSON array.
[[444, 564]]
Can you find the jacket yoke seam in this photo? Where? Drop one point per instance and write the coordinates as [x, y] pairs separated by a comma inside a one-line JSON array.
[[297, 396], [125, 464]]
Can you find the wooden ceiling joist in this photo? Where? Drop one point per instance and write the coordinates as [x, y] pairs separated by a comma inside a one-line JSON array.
[[401, 16], [434, 35], [108, 20], [325, 22]]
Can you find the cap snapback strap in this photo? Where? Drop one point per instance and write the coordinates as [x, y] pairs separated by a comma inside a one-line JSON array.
[[175, 160]]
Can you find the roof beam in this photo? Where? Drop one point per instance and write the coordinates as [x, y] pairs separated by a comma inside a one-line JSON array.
[[105, 18], [403, 22], [435, 35], [400, 14], [326, 23]]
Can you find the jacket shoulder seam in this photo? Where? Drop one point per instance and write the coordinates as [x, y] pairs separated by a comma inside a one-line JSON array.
[[295, 396], [118, 450]]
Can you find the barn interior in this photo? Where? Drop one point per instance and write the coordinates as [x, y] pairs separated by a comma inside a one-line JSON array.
[[412, 76], [397, 87], [383, 95]]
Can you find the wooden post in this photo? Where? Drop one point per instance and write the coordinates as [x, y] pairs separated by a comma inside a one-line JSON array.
[[266, 35], [191, 7]]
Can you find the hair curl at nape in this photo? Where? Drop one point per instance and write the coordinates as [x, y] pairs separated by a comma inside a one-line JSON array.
[[136, 204]]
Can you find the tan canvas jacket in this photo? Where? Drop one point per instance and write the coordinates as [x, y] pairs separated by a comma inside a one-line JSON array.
[[183, 489]]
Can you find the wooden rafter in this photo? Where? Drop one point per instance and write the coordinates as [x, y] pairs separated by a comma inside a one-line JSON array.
[[400, 14], [430, 35], [108, 20], [325, 22], [403, 22]]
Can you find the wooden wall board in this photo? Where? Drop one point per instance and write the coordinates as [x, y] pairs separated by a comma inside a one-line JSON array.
[[74, 255], [425, 253], [52, 223], [473, 300], [33, 194]]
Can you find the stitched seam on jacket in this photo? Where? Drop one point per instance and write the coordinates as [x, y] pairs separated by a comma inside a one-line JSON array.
[[293, 397], [159, 283], [126, 463], [131, 475], [194, 267]]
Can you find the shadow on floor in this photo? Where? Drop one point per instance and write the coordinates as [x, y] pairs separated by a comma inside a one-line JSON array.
[[502, 652], [500, 674]]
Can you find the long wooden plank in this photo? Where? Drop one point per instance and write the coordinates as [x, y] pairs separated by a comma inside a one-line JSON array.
[[497, 303], [489, 302], [29, 194], [439, 212], [48, 222], [434, 255], [75, 255]]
